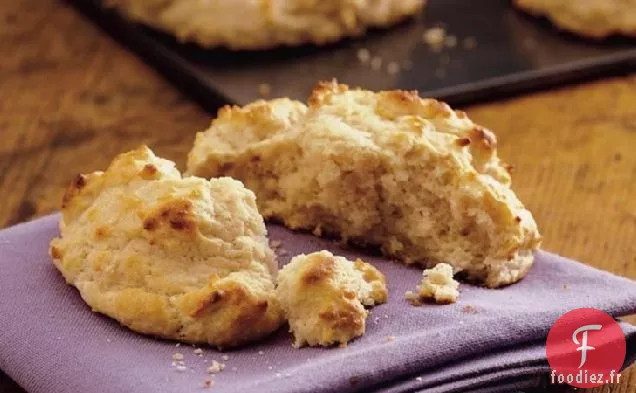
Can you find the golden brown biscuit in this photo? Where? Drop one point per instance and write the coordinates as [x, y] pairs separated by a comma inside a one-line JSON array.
[[178, 258], [262, 24], [589, 18], [323, 297], [389, 169]]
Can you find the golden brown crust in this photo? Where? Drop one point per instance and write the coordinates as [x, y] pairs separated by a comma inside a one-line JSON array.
[[178, 258]]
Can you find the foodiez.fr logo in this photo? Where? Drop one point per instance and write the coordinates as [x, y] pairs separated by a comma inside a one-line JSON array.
[[585, 348]]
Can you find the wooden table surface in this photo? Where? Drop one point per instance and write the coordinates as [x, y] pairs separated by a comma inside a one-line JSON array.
[[71, 99]]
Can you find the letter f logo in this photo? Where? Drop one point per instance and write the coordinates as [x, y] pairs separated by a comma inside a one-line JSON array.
[[584, 347]]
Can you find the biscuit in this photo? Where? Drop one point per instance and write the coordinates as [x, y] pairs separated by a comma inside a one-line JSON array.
[[178, 258], [386, 169], [323, 297], [437, 285], [589, 18], [263, 24]]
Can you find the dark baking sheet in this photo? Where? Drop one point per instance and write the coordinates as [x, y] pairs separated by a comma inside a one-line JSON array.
[[514, 53]]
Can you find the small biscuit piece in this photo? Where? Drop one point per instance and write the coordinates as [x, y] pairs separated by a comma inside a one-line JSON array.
[[589, 18], [437, 284], [323, 297], [388, 169], [262, 24], [178, 258]]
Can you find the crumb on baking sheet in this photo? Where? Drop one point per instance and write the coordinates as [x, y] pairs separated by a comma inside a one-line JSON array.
[[225, 357], [468, 308], [419, 379], [364, 55], [450, 41], [376, 63], [264, 89], [469, 43], [198, 351], [393, 68], [275, 243], [180, 368], [434, 38], [389, 338], [261, 353]]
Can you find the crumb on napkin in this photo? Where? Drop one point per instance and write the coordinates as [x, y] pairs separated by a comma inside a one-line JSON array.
[[437, 285]]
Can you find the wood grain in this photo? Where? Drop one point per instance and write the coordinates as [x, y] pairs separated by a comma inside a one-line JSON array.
[[71, 99]]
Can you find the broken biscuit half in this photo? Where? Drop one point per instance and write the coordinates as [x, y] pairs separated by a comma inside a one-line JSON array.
[[388, 169]]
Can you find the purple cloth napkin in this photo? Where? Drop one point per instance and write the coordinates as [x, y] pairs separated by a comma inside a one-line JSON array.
[[491, 340]]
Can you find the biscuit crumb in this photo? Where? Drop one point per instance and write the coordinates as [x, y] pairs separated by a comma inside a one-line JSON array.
[[389, 338], [450, 41], [393, 68], [469, 309], [177, 345], [208, 383], [177, 356], [434, 37], [198, 351], [225, 357], [180, 368], [419, 379], [261, 353], [275, 243], [264, 89], [364, 55], [376, 63], [437, 284], [469, 43], [216, 367]]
